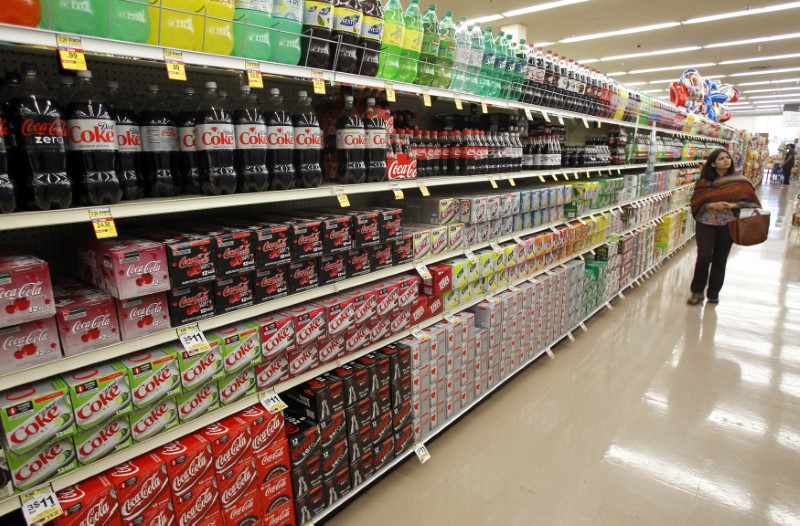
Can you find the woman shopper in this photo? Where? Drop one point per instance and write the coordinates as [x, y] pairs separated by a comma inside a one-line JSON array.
[[717, 198]]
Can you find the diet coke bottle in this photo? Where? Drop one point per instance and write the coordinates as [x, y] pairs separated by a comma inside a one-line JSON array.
[[129, 144], [187, 132], [308, 143], [41, 131], [280, 138], [350, 142], [159, 147], [215, 144], [251, 144], [375, 128], [92, 145]]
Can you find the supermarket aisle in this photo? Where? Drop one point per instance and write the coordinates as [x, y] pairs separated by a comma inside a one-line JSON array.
[[684, 415]]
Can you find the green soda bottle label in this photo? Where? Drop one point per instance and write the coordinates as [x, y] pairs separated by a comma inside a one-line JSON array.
[[447, 47], [412, 40], [430, 44], [393, 34]]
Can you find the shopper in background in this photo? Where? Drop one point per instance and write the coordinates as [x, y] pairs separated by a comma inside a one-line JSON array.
[[717, 198], [788, 164]]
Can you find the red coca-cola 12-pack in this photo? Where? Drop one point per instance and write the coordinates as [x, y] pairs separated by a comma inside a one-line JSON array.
[[29, 344], [87, 319], [124, 267], [142, 316], [26, 293], [91, 502]]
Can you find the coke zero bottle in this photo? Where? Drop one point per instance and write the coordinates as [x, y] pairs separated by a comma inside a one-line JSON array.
[[280, 143], [159, 147], [40, 129], [375, 135], [308, 144], [187, 133], [129, 144], [215, 144], [250, 128], [350, 142]]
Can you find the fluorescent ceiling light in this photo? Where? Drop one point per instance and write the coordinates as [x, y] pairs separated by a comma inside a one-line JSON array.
[[662, 81], [653, 53], [542, 44], [619, 32], [762, 82], [481, 20], [588, 61], [766, 72], [759, 59], [746, 12], [772, 38], [653, 70], [782, 96], [777, 101], [768, 90], [542, 7], [635, 83], [653, 90], [616, 74]]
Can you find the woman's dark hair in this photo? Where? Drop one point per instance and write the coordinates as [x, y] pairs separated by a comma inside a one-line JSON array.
[[709, 173]]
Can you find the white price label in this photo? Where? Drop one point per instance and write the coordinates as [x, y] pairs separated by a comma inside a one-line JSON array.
[[420, 335], [496, 247], [541, 178], [493, 181], [545, 115], [608, 306], [40, 505], [193, 339], [583, 327], [471, 256], [528, 114], [422, 452], [560, 120], [549, 352], [518, 240], [570, 336], [585, 122], [271, 401], [621, 295], [554, 229], [453, 320], [423, 271]]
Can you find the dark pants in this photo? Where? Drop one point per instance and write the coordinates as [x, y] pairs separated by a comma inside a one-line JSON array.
[[787, 173], [713, 246]]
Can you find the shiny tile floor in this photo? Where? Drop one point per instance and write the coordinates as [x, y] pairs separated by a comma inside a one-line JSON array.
[[661, 414]]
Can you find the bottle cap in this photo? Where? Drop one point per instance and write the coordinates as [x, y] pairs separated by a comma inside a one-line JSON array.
[[86, 74], [189, 90], [244, 88], [112, 84], [153, 87], [371, 101], [29, 69], [449, 13], [211, 85], [274, 91], [302, 94], [348, 99]]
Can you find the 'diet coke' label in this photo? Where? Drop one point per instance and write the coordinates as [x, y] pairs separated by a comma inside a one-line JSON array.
[[308, 137], [129, 138], [280, 137], [375, 138], [350, 139], [216, 137], [92, 134], [251, 136]]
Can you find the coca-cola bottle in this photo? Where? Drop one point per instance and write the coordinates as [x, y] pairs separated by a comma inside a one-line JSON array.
[[470, 160], [41, 131], [280, 143], [8, 191], [391, 155], [446, 149], [187, 132], [159, 147], [420, 151], [308, 143], [347, 30], [371, 35], [129, 144], [434, 154], [375, 135], [350, 142], [91, 130], [215, 144], [456, 165], [483, 152], [250, 129]]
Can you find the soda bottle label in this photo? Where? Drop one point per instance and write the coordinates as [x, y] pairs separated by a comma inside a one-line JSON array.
[[350, 139], [447, 48], [372, 28], [462, 54], [475, 58], [412, 40], [159, 138], [129, 138], [215, 137], [188, 136], [563, 83], [92, 134], [318, 14], [251, 136], [308, 138], [376, 139], [43, 133], [430, 44], [347, 20], [265, 6], [500, 62], [393, 34], [457, 152], [289, 10], [470, 152], [280, 137], [488, 59]]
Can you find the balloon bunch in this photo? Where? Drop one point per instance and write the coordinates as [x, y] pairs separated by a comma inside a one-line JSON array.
[[703, 96]]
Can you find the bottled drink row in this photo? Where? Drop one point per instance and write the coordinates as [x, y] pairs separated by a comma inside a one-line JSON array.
[[361, 37]]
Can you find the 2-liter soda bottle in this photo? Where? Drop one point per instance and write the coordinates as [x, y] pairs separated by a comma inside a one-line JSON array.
[[216, 144], [280, 143], [308, 143], [250, 128]]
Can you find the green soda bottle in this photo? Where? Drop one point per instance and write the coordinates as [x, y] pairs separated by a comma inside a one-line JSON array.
[[447, 51], [430, 47], [412, 43], [392, 41]]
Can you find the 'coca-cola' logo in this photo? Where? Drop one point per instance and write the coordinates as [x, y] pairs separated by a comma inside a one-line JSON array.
[[13, 343], [102, 400], [198, 401], [103, 320], [98, 441], [152, 309], [26, 290], [201, 298], [35, 425], [201, 368], [277, 340], [149, 488], [398, 170], [56, 128], [198, 465], [236, 447], [311, 329], [100, 512], [232, 389], [153, 384], [265, 437], [201, 504], [240, 289], [92, 133], [202, 259], [148, 268]]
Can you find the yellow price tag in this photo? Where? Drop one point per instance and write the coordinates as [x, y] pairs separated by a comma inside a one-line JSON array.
[[272, 402], [193, 339], [484, 108], [457, 99], [103, 223], [471, 256], [341, 197], [390, 95], [541, 178], [426, 98], [176, 70], [319, 85], [420, 335], [492, 181], [254, 78], [528, 114], [70, 52], [422, 452], [545, 115], [599, 124], [424, 190], [398, 193], [40, 505], [511, 181], [423, 271]]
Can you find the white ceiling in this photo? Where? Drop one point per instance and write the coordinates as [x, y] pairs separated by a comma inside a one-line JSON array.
[[598, 16]]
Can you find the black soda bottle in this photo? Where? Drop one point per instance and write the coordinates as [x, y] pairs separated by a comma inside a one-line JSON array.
[[215, 144], [129, 144], [251, 144], [8, 192], [375, 136], [317, 28], [371, 35], [350, 142], [280, 143], [159, 147], [41, 141], [308, 143], [186, 119], [347, 31]]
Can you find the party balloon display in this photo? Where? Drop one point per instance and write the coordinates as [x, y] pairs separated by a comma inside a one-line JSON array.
[[703, 96]]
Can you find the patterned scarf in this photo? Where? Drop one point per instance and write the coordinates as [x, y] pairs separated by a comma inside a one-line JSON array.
[[731, 189]]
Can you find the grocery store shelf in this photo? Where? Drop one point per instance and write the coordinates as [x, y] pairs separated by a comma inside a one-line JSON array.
[[354, 492], [17, 378], [193, 203]]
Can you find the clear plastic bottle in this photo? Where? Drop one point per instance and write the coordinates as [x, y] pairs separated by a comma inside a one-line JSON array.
[[159, 146], [186, 121], [461, 58], [288, 21], [447, 51], [214, 26], [375, 135], [252, 36], [430, 47], [475, 60]]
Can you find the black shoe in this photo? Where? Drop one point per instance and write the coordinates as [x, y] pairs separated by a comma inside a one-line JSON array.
[[714, 301]]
